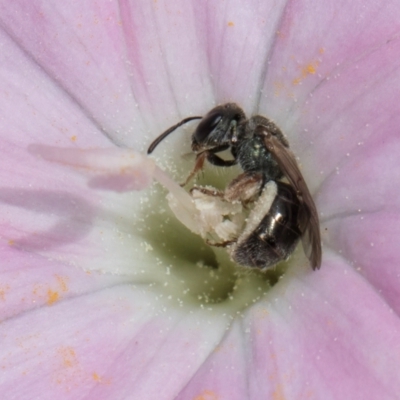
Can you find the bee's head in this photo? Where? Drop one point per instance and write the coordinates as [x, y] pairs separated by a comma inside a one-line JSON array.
[[217, 129]]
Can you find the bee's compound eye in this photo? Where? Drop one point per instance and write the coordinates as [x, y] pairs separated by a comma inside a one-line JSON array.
[[206, 126]]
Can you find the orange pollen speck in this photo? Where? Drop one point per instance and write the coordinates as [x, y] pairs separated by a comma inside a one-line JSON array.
[[278, 394], [52, 297], [230, 23], [206, 395], [96, 377], [296, 81], [73, 138], [62, 281], [309, 69], [68, 356], [3, 291]]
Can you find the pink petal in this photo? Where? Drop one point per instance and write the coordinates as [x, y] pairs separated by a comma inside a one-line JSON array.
[[30, 281], [118, 342], [370, 243], [111, 343], [317, 335], [124, 64], [225, 374], [364, 182], [77, 47]]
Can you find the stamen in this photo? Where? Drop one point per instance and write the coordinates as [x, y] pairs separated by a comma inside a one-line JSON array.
[[180, 202], [114, 169], [122, 170]]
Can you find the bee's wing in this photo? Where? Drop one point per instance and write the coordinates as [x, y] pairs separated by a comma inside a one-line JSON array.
[[309, 221]]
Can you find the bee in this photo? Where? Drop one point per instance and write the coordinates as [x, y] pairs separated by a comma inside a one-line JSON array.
[[263, 153]]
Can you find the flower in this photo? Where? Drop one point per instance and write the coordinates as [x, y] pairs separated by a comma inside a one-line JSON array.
[[93, 303]]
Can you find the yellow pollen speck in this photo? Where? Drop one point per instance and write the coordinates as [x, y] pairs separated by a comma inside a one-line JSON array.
[[11, 242], [309, 69], [278, 88], [96, 377], [3, 291], [52, 297], [101, 379], [296, 81], [278, 393], [62, 281], [206, 395], [280, 34], [68, 356], [230, 23], [73, 138]]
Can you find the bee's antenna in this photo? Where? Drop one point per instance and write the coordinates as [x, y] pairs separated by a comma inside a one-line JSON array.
[[157, 141]]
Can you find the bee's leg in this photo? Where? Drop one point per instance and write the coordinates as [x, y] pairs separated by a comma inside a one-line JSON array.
[[245, 188], [206, 191], [198, 166], [212, 159], [220, 244]]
